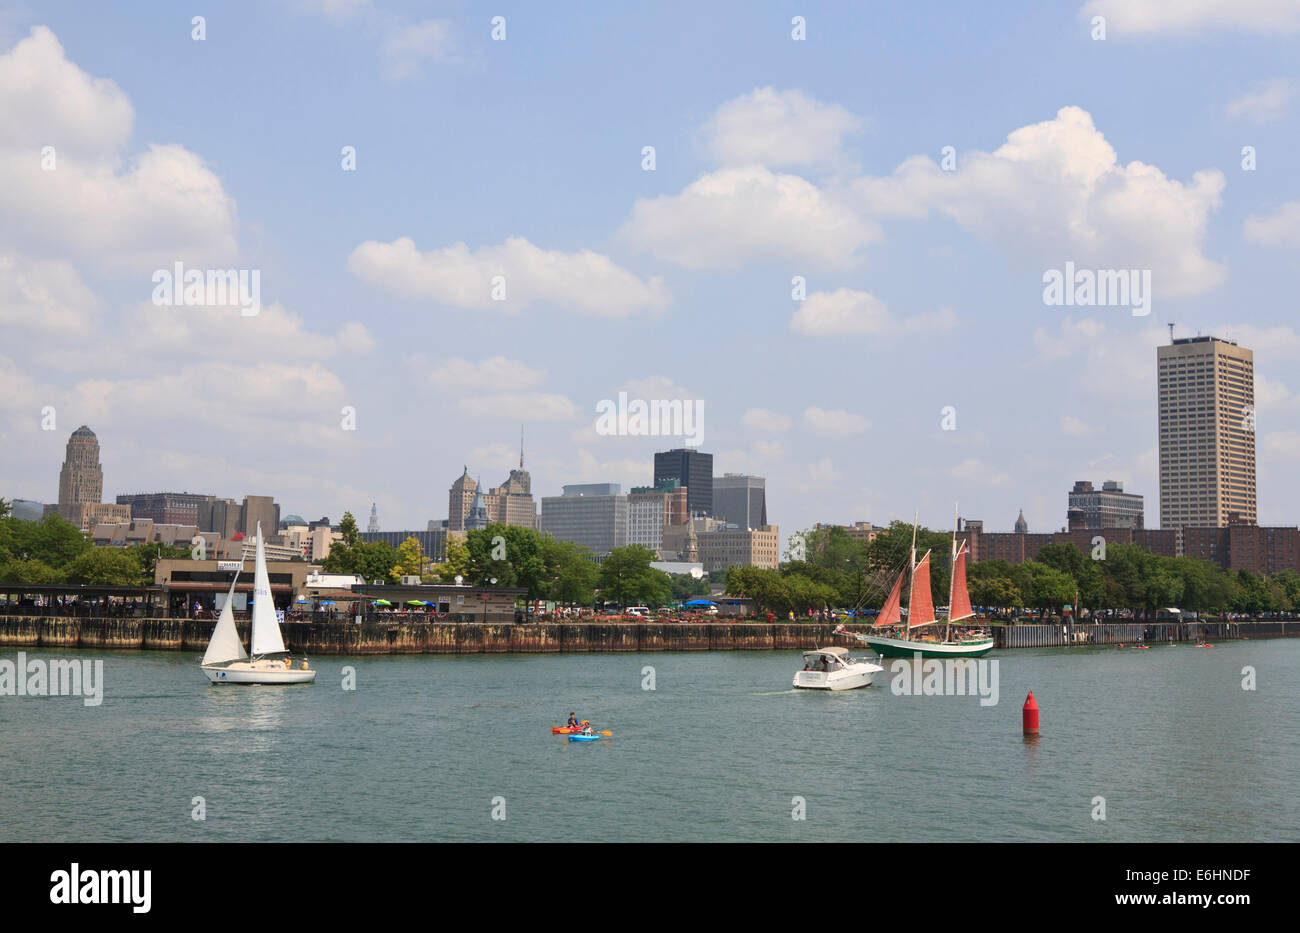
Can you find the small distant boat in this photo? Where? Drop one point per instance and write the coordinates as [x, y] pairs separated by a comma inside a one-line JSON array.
[[565, 730], [834, 669], [920, 612], [226, 662], [579, 737]]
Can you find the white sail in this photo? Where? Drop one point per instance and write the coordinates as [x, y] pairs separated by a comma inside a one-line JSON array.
[[266, 630], [225, 644]]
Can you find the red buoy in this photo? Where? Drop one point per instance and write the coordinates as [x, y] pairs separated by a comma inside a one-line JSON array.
[[1030, 715]]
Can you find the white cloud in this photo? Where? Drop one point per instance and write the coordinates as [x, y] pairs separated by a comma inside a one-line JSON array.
[[1264, 103], [1272, 394], [655, 387], [1280, 341], [164, 205], [779, 129], [516, 406], [823, 473], [726, 219], [1056, 192], [761, 419], [769, 450], [495, 456], [1283, 445], [223, 333], [333, 9], [1120, 365], [407, 47], [1282, 228], [495, 373], [834, 421], [585, 281], [1154, 16], [975, 472], [44, 296], [1076, 427], [846, 312]]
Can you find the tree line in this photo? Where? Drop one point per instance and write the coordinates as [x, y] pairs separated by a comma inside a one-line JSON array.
[[829, 569], [54, 550]]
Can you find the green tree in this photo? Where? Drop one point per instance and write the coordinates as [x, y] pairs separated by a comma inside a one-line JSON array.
[[106, 566], [456, 563], [569, 572], [410, 560], [377, 560], [148, 556], [685, 586], [1042, 587], [346, 555], [17, 570], [995, 592], [51, 540], [627, 579]]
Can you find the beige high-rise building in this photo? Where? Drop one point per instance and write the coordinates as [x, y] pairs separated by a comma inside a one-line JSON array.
[[1206, 395], [511, 503], [753, 547], [460, 500], [81, 481]]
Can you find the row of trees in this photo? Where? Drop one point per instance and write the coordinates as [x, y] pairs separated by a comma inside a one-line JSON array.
[[506, 555], [53, 550], [828, 569], [1127, 577], [562, 571]]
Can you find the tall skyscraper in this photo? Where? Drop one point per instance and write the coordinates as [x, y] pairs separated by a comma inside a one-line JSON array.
[[740, 500], [1206, 396], [460, 499], [692, 469], [373, 527], [81, 481]]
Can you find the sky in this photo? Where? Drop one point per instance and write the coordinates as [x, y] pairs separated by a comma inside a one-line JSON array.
[[834, 252]]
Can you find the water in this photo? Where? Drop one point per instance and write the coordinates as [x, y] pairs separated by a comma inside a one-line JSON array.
[[421, 748]]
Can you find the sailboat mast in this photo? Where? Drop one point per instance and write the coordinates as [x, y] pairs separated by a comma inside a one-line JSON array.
[[911, 581], [952, 574]]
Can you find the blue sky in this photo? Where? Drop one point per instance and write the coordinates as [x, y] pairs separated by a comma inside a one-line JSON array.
[[774, 158]]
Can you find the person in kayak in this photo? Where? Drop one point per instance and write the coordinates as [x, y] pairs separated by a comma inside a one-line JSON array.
[[573, 721]]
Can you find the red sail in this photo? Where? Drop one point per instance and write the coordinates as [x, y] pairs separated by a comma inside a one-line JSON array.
[[921, 611], [889, 614], [960, 608]]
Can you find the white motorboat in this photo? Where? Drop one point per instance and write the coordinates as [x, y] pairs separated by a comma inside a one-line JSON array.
[[226, 662], [834, 669]]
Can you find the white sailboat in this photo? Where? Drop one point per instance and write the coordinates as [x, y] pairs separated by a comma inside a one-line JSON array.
[[226, 662]]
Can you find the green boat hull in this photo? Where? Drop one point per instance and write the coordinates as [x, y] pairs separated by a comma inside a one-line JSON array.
[[905, 648]]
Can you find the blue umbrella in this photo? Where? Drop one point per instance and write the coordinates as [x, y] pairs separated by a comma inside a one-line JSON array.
[[698, 602]]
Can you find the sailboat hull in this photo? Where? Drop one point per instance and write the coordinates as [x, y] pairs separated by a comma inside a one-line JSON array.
[[907, 648], [257, 672]]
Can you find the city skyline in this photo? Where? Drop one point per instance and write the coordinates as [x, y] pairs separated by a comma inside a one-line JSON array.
[[669, 291]]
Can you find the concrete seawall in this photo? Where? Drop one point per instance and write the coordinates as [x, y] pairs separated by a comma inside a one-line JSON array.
[[345, 638], [321, 638]]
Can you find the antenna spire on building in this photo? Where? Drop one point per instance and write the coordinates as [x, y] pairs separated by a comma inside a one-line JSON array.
[[521, 447]]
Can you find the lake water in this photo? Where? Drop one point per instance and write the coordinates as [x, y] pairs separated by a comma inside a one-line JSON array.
[[719, 750]]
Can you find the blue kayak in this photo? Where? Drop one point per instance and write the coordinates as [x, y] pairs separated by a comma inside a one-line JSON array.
[[583, 738]]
